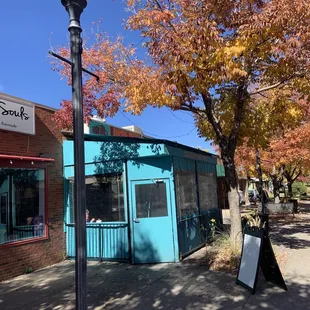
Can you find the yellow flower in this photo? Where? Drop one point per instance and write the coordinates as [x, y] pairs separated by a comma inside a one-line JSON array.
[[213, 220]]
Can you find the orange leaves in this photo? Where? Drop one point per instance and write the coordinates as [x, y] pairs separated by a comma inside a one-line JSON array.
[[215, 48], [110, 61], [290, 149]]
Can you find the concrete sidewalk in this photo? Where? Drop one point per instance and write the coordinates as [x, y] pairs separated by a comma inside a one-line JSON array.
[[169, 286], [164, 286]]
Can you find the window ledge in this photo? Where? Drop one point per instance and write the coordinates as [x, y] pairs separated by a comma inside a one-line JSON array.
[[22, 242]]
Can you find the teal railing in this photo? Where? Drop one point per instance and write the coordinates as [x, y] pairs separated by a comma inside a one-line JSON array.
[[193, 232], [105, 241]]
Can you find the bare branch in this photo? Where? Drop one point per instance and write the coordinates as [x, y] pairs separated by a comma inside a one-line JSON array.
[[277, 84], [298, 174], [267, 88], [190, 108], [209, 105]]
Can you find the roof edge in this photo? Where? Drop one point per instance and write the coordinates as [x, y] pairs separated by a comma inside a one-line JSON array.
[[92, 137]]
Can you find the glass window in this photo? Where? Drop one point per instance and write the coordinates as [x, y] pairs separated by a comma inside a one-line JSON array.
[[186, 194], [22, 204], [207, 191], [151, 200], [104, 198]]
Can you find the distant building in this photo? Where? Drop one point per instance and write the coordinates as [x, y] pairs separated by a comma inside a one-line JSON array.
[[98, 126]]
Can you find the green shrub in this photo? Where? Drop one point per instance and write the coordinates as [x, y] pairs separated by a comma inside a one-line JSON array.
[[299, 189], [27, 269]]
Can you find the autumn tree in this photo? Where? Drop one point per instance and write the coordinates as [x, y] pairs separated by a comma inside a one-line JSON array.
[[290, 155], [279, 128], [210, 58]]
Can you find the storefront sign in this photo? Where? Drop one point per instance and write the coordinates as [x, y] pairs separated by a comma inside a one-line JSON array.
[[17, 117]]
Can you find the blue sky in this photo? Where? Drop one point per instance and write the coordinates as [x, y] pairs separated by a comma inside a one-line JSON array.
[[29, 29]]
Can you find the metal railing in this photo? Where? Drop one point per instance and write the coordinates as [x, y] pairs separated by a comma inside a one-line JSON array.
[[105, 241]]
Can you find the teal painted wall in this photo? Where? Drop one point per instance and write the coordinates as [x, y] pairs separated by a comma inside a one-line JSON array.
[[144, 161], [103, 157], [220, 170], [105, 151]]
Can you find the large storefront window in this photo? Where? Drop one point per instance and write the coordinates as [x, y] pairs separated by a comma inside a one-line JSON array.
[[22, 204], [104, 198]]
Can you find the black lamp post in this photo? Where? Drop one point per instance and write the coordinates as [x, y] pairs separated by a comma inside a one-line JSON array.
[[75, 9], [264, 214]]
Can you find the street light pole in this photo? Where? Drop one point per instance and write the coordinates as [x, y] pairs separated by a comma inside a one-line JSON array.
[[75, 9]]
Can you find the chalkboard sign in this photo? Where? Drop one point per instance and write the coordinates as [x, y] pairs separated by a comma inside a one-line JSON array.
[[250, 256], [257, 252]]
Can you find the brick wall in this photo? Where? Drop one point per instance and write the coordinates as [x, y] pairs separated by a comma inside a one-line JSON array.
[[119, 132], [38, 254]]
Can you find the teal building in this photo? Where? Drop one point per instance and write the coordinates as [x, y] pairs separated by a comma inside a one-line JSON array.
[[148, 200]]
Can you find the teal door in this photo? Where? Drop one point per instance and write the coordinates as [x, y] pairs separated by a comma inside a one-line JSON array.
[[152, 231]]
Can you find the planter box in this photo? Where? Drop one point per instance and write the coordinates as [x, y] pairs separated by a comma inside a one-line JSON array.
[[278, 208]]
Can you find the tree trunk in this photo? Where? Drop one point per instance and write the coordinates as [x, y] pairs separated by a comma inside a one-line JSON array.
[[291, 175], [246, 191], [290, 189], [228, 146], [276, 189], [277, 178], [233, 199]]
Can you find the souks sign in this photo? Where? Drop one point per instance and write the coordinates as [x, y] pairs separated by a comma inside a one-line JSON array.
[[17, 117]]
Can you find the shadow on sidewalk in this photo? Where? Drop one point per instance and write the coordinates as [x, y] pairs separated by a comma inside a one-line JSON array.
[[162, 286], [157, 286], [292, 232]]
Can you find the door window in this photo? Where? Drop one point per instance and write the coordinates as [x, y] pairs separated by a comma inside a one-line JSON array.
[[151, 200]]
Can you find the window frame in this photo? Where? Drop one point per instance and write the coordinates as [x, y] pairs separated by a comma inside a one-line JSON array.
[[30, 165], [199, 185], [184, 173], [69, 207], [166, 200]]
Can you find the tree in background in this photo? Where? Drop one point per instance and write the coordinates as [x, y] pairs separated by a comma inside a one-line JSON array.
[[290, 154], [207, 57], [280, 130], [299, 189], [286, 156]]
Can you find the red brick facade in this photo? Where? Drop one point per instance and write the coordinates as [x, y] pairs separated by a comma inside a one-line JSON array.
[[120, 132], [37, 254]]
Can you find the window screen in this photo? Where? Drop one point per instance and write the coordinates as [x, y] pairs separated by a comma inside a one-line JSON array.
[[104, 198], [207, 191], [186, 193], [151, 200]]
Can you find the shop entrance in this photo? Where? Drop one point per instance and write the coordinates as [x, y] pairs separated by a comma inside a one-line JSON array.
[[152, 235]]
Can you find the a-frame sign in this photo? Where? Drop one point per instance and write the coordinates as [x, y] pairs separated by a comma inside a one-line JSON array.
[[257, 253]]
